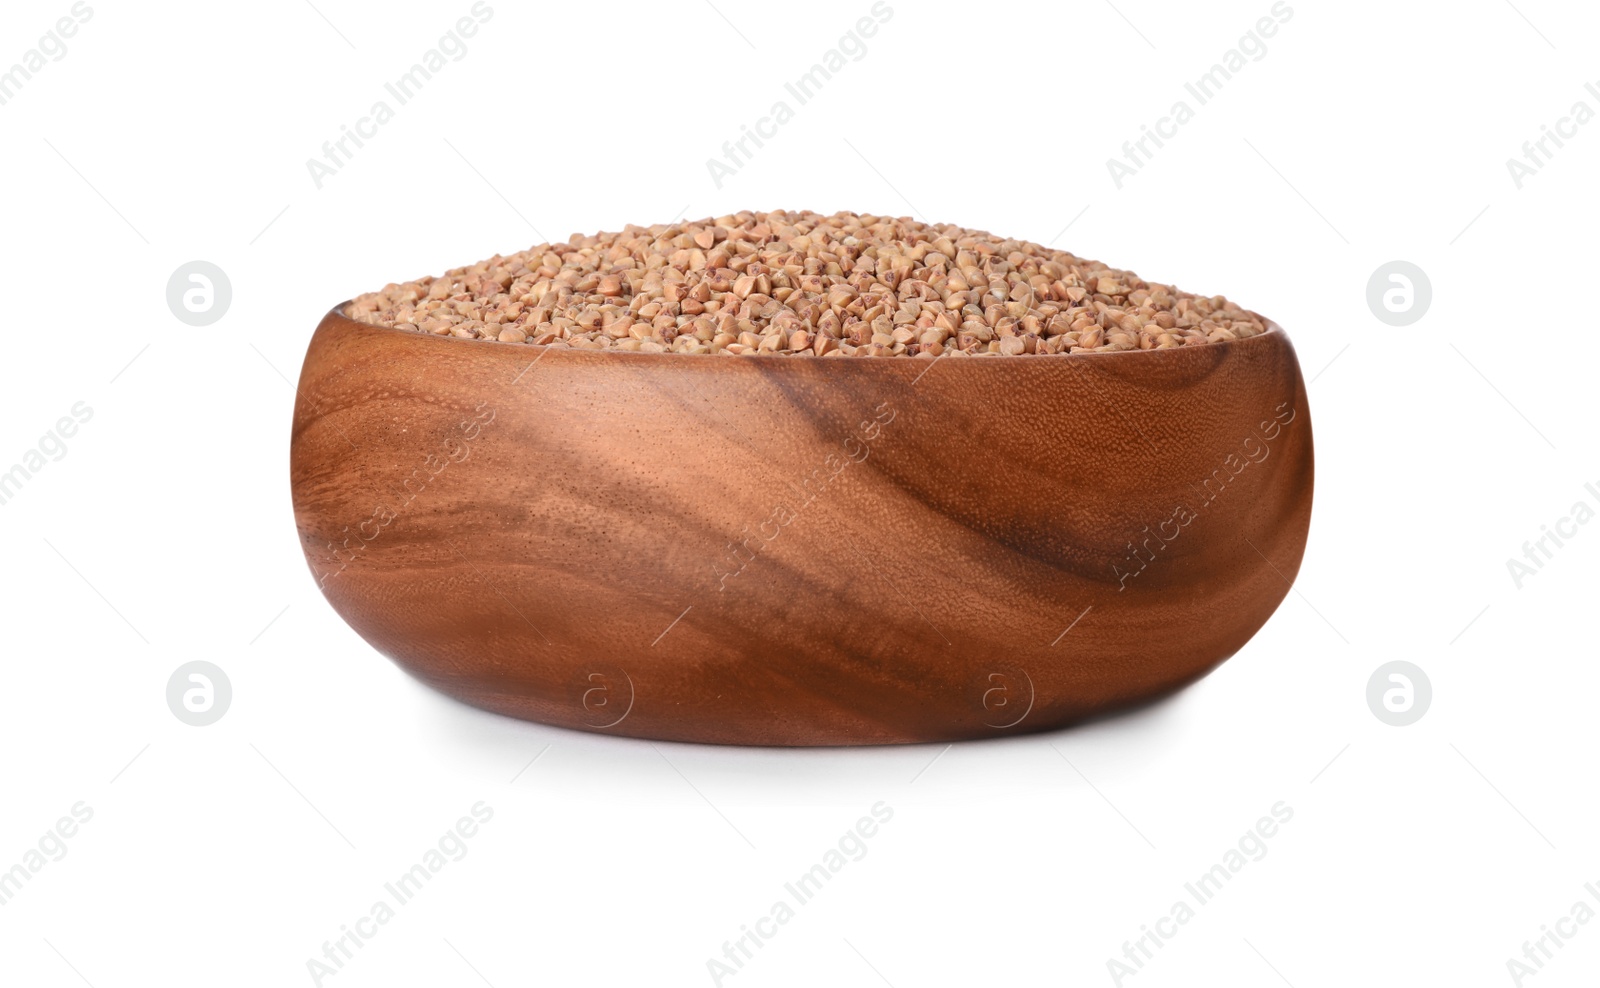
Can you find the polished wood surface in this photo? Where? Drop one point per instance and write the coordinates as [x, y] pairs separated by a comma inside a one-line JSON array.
[[800, 551]]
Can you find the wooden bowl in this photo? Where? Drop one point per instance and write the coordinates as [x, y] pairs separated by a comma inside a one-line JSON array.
[[800, 551]]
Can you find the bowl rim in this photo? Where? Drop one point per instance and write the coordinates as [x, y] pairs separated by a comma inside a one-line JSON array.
[[1273, 332]]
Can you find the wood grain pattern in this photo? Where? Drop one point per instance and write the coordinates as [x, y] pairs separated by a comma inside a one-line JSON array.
[[800, 551]]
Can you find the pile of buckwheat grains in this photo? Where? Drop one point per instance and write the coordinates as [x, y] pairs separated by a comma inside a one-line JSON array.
[[798, 283]]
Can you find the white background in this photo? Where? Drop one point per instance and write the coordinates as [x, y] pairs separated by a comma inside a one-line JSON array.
[[228, 854]]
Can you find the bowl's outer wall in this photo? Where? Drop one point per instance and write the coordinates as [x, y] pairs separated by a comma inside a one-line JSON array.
[[800, 551]]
